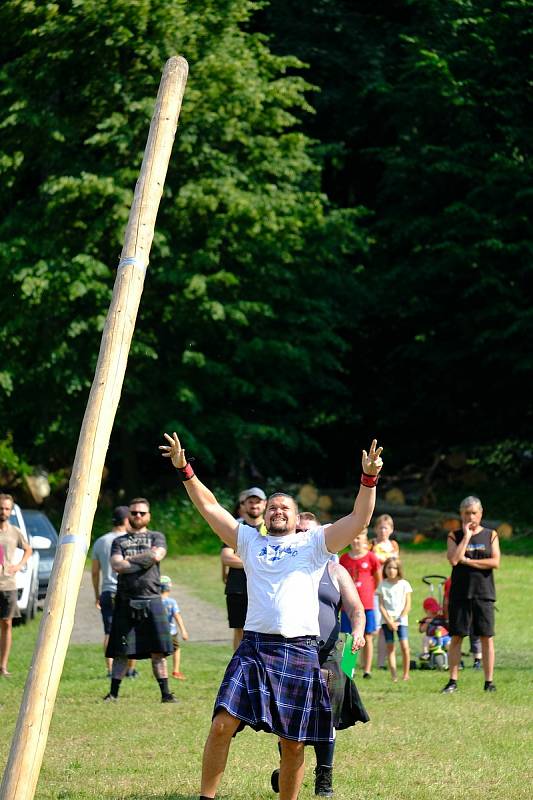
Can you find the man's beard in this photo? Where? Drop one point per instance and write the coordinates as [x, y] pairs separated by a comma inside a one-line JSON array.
[[137, 523], [255, 514], [278, 529]]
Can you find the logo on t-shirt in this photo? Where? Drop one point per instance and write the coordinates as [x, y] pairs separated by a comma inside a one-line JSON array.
[[275, 552]]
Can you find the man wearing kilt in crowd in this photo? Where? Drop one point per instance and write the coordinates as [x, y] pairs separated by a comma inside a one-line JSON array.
[[273, 682], [140, 625]]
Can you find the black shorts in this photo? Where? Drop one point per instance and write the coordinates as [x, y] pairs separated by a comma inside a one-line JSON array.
[[8, 604], [107, 606], [237, 605], [471, 617]]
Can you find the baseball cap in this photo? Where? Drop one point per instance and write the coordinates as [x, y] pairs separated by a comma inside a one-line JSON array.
[[255, 491], [120, 514], [432, 605], [165, 582]]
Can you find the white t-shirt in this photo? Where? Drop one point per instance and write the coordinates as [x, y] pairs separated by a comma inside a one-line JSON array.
[[394, 596], [283, 574]]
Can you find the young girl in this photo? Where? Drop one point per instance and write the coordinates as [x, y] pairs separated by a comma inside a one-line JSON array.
[[383, 547], [394, 594]]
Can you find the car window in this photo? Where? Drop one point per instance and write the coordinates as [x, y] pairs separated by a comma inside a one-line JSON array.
[[37, 524]]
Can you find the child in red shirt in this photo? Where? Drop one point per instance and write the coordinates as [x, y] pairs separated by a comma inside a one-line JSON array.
[[365, 570]]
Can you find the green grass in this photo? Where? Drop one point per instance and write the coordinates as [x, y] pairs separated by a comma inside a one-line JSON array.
[[419, 744]]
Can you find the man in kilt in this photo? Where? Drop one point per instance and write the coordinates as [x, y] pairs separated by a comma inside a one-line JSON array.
[[140, 625], [273, 682]]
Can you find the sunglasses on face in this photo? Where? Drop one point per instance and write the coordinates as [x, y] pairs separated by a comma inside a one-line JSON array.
[[138, 513]]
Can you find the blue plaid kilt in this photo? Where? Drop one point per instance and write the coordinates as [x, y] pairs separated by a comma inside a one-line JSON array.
[[137, 633], [274, 684]]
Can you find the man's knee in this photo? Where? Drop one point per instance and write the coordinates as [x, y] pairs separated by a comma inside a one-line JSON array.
[[291, 748], [224, 725]]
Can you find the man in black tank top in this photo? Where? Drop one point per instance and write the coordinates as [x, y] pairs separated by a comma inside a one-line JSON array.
[[473, 552]]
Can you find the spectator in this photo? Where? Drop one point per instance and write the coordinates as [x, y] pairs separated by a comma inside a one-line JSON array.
[[383, 547], [105, 594], [139, 628], [11, 538], [474, 553], [394, 594], [252, 504], [175, 622], [364, 569]]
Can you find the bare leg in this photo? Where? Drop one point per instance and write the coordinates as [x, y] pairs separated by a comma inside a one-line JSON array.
[[454, 656], [487, 649], [382, 650], [237, 637], [6, 633], [368, 652], [176, 660], [404, 647], [291, 772], [391, 657], [216, 751], [108, 661]]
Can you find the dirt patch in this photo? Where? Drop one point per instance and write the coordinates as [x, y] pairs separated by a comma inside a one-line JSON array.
[[204, 621]]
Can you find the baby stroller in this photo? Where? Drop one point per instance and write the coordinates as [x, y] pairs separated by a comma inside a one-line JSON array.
[[433, 626]]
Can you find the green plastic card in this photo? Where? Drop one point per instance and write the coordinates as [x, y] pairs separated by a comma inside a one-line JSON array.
[[349, 659]]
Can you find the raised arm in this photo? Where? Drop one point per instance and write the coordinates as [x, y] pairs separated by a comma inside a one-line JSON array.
[[341, 533], [217, 517]]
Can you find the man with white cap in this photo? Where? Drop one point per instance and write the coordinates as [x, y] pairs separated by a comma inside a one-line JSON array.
[[252, 504]]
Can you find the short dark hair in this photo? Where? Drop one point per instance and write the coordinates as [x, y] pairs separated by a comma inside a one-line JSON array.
[[8, 497], [283, 494], [137, 500]]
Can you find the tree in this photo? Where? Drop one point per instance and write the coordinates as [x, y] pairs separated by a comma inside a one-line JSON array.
[[244, 301]]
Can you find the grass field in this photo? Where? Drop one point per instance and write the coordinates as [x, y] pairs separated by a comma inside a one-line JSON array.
[[418, 745]]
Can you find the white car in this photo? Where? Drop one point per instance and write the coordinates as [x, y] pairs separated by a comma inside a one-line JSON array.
[[28, 577]]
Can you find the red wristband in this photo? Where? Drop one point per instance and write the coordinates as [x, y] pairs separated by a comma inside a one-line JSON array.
[[369, 480], [186, 472]]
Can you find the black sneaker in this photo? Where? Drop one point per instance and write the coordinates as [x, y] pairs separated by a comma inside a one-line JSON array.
[[323, 781], [169, 698], [450, 688], [476, 664], [489, 687], [110, 698], [274, 781], [367, 675], [132, 673]]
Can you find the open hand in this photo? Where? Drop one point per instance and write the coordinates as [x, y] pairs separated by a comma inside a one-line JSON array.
[[173, 450], [371, 461]]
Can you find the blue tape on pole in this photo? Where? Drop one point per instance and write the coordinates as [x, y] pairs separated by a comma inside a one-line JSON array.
[[132, 261], [70, 538]]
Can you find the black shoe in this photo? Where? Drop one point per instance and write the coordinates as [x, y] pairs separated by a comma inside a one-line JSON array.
[[274, 781], [110, 698], [324, 781], [132, 673], [489, 687], [450, 688], [367, 675], [476, 664], [169, 698]]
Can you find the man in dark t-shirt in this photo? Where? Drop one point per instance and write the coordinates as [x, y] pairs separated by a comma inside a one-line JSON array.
[[140, 627], [252, 504], [473, 552]]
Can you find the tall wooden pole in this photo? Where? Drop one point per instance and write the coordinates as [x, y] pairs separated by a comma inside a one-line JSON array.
[[29, 741]]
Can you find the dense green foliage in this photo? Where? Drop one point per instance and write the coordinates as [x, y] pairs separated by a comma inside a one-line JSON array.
[[423, 119], [315, 277]]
